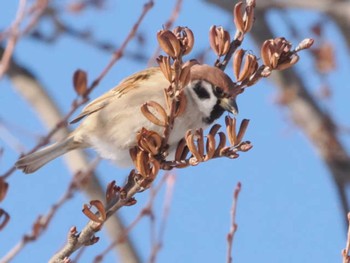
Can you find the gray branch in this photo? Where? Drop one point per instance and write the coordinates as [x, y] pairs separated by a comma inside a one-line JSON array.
[[35, 94]]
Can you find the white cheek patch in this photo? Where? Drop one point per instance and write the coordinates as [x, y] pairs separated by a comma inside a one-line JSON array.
[[205, 105]]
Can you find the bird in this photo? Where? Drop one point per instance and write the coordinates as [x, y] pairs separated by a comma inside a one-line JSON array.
[[109, 124]]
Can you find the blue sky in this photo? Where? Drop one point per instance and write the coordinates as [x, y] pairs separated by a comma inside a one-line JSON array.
[[288, 210]]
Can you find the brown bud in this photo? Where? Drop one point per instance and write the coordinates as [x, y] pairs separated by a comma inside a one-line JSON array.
[[304, 44], [169, 43], [80, 82], [3, 189]]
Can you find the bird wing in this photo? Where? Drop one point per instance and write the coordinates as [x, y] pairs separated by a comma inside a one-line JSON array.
[[121, 89]]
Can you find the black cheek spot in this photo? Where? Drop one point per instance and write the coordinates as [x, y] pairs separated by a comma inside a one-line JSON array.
[[214, 114], [201, 92]]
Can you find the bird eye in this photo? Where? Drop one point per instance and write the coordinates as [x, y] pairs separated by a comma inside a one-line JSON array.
[[219, 91]]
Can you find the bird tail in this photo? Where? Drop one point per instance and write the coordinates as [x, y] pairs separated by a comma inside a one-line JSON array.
[[32, 162]]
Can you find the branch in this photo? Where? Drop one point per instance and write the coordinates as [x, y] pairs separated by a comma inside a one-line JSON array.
[[346, 251], [42, 222], [35, 94], [123, 197], [316, 124], [234, 226]]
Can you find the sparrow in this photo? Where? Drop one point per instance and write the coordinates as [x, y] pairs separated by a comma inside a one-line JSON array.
[[109, 124]]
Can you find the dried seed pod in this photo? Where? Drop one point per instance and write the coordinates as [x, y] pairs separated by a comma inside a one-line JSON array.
[[249, 67], [185, 75], [189, 41], [220, 40], [4, 186], [149, 110], [111, 191], [169, 43], [266, 52], [154, 169], [165, 67], [231, 129], [186, 38], [4, 218], [133, 153], [214, 129], [210, 147], [200, 141], [149, 141], [245, 146], [181, 104], [222, 143], [237, 62], [142, 164], [266, 72], [92, 216], [238, 16], [248, 18], [181, 151], [277, 51], [190, 140], [147, 167], [80, 82], [242, 130], [288, 63]]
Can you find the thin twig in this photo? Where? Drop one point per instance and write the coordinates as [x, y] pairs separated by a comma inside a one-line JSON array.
[[42, 222], [86, 236], [147, 210], [346, 251], [167, 25], [80, 101], [234, 226], [12, 40], [166, 208]]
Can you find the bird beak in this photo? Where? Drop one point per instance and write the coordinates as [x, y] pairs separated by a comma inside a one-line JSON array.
[[230, 105]]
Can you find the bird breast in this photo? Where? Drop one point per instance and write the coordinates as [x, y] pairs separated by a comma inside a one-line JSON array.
[[112, 130]]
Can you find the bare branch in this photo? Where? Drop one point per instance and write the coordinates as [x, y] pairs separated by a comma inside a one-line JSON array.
[[234, 226], [42, 222]]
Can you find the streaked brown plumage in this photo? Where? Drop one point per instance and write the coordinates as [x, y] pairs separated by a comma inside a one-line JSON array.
[[110, 122]]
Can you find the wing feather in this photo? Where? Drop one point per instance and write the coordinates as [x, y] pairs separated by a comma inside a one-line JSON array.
[[129, 83]]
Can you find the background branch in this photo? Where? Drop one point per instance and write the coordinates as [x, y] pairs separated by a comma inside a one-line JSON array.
[[35, 94], [314, 122]]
